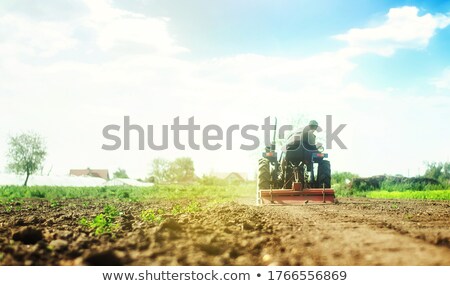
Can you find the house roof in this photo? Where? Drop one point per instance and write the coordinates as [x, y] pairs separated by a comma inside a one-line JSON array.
[[99, 173], [225, 176]]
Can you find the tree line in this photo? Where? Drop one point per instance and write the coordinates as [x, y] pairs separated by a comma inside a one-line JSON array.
[[27, 153]]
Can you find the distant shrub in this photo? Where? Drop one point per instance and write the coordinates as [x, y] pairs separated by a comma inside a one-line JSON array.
[[394, 183], [342, 177], [367, 184]]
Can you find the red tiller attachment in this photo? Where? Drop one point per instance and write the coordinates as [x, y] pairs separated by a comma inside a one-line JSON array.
[[295, 196]]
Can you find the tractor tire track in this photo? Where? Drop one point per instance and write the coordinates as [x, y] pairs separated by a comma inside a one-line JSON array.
[[373, 232]]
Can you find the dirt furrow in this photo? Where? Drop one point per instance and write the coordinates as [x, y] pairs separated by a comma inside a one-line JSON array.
[[353, 232], [345, 235]]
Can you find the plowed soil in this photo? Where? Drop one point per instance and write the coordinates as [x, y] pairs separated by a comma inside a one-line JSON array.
[[352, 232]]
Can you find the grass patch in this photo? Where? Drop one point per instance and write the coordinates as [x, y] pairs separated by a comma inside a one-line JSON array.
[[125, 193], [199, 192], [417, 195], [53, 193]]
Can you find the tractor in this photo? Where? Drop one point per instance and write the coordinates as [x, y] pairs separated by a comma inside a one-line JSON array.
[[300, 175]]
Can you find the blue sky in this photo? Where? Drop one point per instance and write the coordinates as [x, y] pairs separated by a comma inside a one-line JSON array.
[[297, 29], [294, 28], [68, 68]]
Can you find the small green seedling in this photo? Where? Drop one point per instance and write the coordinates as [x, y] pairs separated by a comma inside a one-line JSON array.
[[394, 206], [177, 209], [193, 207], [54, 204], [151, 215], [104, 222], [408, 216]]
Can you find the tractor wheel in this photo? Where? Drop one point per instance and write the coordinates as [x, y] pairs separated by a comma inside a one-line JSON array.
[[324, 174], [263, 174]]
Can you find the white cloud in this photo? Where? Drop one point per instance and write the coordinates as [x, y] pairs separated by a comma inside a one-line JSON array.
[[403, 29], [325, 69], [120, 29], [115, 31], [23, 36], [443, 81]]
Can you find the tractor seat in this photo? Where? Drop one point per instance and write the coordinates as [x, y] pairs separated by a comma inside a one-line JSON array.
[[296, 154]]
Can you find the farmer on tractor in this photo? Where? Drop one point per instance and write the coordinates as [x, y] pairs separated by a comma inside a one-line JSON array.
[[300, 174], [301, 147], [305, 138]]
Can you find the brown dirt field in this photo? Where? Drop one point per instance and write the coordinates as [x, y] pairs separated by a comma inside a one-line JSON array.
[[353, 232]]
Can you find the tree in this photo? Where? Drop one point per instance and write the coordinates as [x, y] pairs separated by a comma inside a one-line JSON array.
[[120, 174], [160, 169], [181, 170], [439, 171], [26, 154]]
